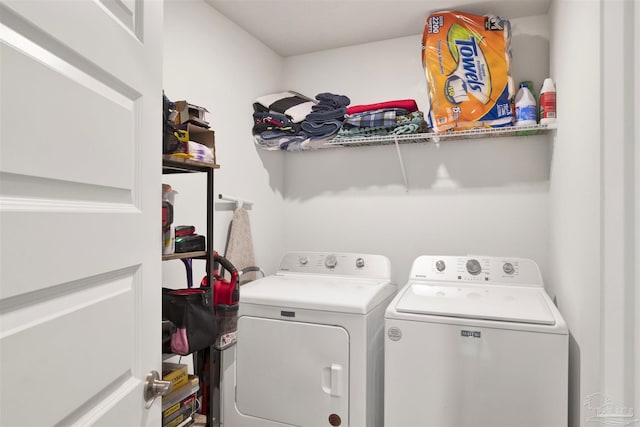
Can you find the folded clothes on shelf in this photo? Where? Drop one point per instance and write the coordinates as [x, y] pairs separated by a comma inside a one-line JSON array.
[[330, 121], [292, 104]]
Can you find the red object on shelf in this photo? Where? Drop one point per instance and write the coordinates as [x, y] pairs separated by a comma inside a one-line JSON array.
[[184, 230]]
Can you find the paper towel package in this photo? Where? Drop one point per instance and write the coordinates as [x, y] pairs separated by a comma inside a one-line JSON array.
[[466, 59]]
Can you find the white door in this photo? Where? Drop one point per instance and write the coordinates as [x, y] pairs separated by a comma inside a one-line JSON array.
[[80, 174], [292, 373]]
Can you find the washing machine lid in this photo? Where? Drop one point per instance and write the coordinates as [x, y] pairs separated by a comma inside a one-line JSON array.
[[499, 303], [326, 293]]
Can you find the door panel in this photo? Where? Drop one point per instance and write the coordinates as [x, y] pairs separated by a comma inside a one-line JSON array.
[[58, 324], [68, 246], [292, 372], [95, 130], [80, 174]]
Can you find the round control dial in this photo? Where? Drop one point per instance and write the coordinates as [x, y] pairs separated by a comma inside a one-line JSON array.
[[304, 260], [508, 268], [440, 265], [360, 262], [473, 267], [330, 261]]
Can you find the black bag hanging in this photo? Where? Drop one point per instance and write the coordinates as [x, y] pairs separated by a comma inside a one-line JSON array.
[[167, 332], [170, 142], [191, 311]]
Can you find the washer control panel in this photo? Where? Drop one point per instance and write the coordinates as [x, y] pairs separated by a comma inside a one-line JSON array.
[[477, 269], [336, 263]]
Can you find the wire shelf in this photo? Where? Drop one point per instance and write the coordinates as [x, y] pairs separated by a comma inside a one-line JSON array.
[[444, 136]]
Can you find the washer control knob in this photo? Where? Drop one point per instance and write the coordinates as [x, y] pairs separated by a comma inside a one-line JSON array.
[[360, 262], [304, 260], [473, 267], [440, 265], [508, 268], [330, 261]]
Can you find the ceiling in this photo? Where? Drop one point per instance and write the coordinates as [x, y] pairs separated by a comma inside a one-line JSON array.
[[294, 27]]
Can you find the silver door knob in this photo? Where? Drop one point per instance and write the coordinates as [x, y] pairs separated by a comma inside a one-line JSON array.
[[154, 387]]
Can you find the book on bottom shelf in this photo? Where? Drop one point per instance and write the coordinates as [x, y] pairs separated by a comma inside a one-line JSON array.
[[184, 423], [177, 373], [180, 421], [180, 411], [179, 405]]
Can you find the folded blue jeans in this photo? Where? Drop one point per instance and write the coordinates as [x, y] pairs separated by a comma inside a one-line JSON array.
[[334, 100], [317, 130], [321, 116]]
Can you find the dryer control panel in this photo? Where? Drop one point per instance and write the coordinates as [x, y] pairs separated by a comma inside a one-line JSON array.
[[338, 264], [477, 269]]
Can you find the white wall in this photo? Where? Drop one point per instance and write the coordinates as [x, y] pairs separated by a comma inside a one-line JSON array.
[[575, 194], [636, 257], [619, 213], [485, 196], [211, 62], [594, 212], [528, 197]]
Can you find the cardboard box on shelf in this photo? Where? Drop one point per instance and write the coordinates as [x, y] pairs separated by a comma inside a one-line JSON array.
[[189, 112], [200, 135]]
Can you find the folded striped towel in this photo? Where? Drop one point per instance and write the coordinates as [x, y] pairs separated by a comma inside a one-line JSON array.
[[290, 103]]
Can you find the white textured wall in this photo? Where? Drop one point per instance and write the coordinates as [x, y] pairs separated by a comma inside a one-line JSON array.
[[486, 196], [211, 62], [575, 192], [636, 135], [619, 214], [594, 203]]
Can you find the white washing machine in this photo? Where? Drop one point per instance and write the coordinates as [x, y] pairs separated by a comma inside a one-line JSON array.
[[475, 342], [310, 344]]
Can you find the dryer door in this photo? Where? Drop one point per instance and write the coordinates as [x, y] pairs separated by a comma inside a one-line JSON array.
[[292, 372]]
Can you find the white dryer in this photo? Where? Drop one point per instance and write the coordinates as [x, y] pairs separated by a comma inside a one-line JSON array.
[[310, 344], [475, 342]]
